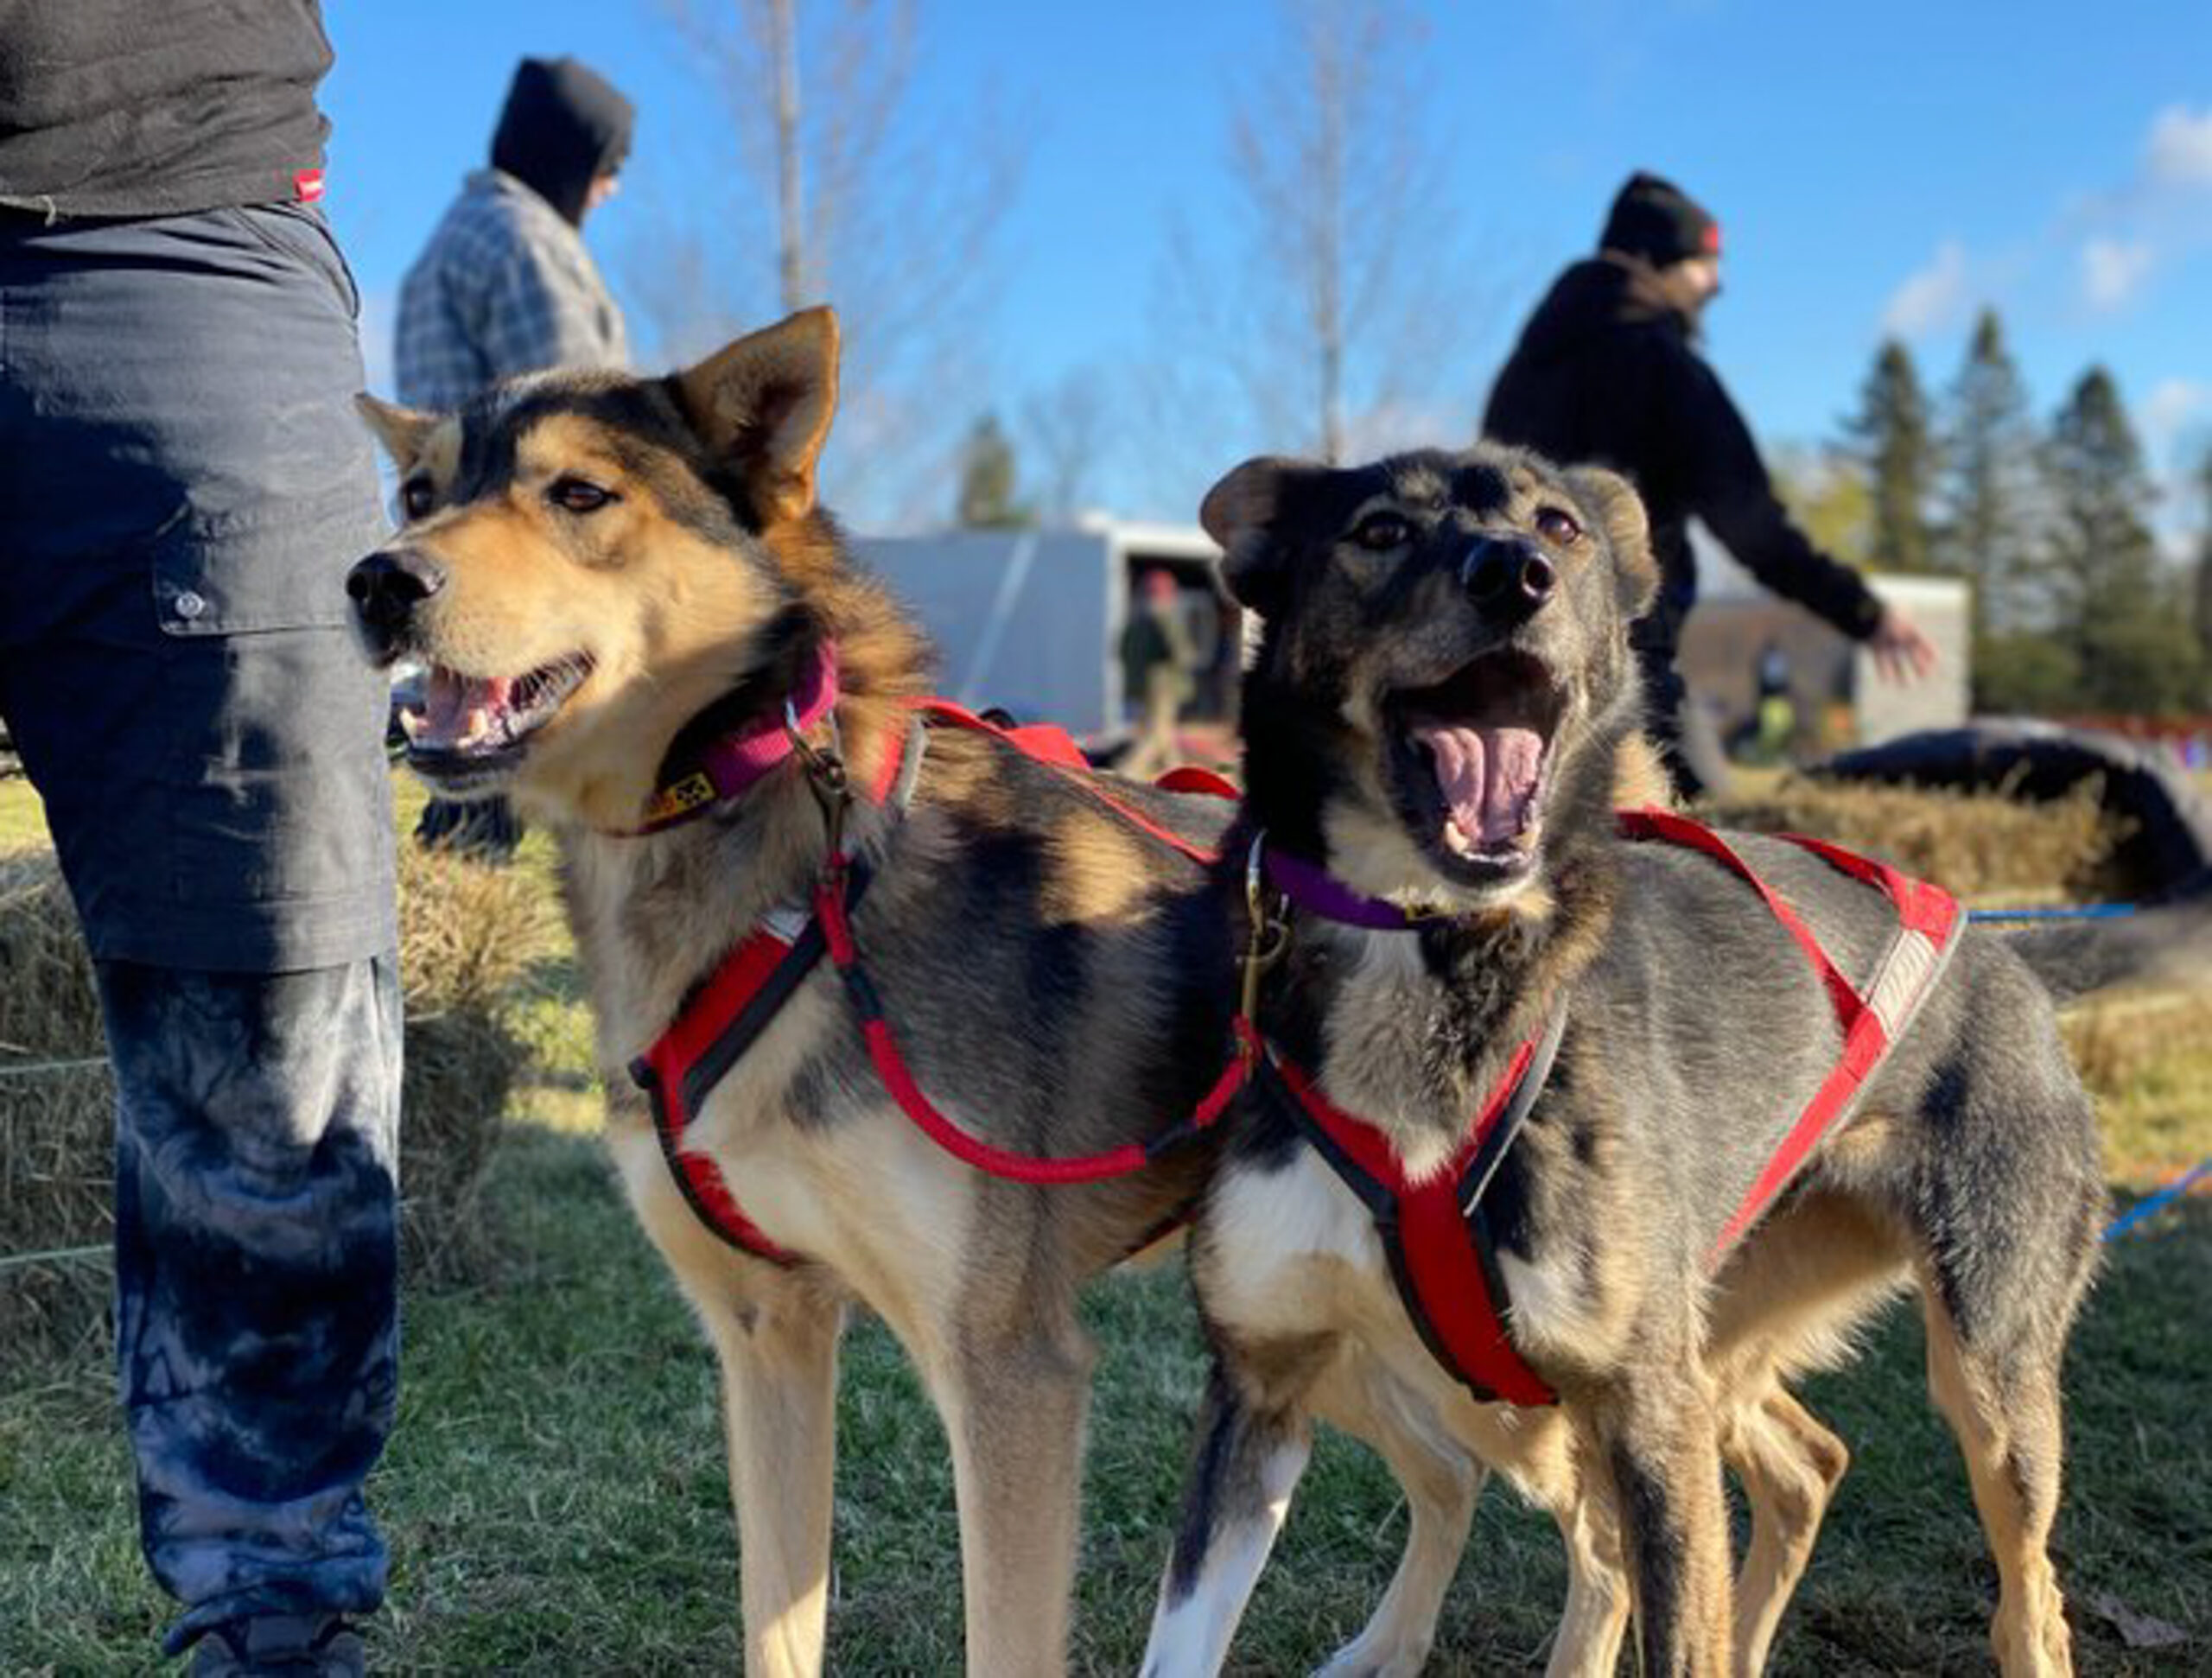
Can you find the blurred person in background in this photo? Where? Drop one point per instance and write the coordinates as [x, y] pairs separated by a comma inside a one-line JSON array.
[[1157, 662], [183, 484], [1607, 371], [506, 286]]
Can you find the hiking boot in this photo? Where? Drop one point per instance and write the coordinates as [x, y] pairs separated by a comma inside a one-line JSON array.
[[280, 1646]]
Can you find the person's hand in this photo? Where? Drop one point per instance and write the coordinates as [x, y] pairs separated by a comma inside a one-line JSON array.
[[1901, 653]]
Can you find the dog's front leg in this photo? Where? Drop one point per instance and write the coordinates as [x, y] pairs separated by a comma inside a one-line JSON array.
[[776, 1339], [1659, 1438], [1595, 1618], [1252, 1447], [1013, 1407], [1790, 1465], [1440, 1481]]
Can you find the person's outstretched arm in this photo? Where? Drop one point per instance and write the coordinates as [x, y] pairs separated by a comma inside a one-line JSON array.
[[1734, 496]]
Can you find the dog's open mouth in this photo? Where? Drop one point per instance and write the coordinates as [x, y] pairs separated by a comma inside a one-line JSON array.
[[473, 722], [1471, 754]]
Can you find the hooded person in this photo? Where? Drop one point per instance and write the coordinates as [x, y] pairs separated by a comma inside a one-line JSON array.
[[505, 285], [1607, 371]]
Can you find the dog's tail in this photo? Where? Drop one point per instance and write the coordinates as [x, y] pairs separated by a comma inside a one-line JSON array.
[[2168, 943]]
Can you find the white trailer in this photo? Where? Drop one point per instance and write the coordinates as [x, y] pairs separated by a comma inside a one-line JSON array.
[[1032, 620]]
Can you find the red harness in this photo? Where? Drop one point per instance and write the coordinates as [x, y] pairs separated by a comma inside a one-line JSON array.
[[1433, 1232], [726, 1013]]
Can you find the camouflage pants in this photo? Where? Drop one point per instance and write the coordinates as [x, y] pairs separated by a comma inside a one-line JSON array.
[[256, 1272]]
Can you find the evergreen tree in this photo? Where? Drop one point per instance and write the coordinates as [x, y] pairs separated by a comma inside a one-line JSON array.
[[1826, 494], [2115, 607], [1892, 440], [2202, 613], [1987, 487], [986, 481]]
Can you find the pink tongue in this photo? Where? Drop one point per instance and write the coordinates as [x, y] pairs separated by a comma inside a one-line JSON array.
[[450, 699], [1488, 778]]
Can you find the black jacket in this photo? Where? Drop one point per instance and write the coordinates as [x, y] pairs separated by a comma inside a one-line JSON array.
[[1606, 372], [148, 107]]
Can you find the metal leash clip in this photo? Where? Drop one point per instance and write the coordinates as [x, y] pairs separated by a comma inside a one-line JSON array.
[[1270, 931], [825, 773]]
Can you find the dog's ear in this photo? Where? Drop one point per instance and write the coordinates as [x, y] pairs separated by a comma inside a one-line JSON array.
[[1619, 512], [1238, 513], [403, 431], [764, 404]]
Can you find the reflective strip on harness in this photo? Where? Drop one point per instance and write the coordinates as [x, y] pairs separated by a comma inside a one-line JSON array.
[[1438, 1245]]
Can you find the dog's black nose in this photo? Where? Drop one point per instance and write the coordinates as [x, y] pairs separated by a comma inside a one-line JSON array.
[[387, 586], [1509, 580]]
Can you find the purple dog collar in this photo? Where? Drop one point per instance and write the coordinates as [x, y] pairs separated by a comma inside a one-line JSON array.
[[733, 763], [1313, 888]]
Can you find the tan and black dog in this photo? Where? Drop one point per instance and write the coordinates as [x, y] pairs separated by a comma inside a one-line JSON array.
[[1432, 724], [603, 575]]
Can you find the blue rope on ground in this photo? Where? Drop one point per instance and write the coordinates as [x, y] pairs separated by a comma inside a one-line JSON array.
[[2152, 1203], [2086, 911]]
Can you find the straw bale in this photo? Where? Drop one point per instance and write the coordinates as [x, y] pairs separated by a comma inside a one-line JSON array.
[[469, 939], [1985, 847]]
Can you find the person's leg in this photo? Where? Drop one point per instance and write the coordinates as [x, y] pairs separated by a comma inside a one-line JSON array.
[[182, 487], [487, 830], [256, 1248]]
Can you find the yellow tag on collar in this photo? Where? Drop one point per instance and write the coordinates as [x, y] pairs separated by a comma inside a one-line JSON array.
[[680, 798]]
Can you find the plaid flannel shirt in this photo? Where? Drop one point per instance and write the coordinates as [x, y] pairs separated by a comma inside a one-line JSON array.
[[503, 287]]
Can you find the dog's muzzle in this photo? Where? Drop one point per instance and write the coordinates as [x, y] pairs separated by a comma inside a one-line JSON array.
[[1507, 580], [385, 589]]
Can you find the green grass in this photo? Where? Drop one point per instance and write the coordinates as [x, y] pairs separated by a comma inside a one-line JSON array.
[[555, 1499]]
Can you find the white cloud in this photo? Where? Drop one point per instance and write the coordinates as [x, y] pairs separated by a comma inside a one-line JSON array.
[[2172, 404], [2113, 270], [2180, 149], [1930, 297]]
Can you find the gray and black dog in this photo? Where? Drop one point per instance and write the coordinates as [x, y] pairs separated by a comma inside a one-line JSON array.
[[1437, 721]]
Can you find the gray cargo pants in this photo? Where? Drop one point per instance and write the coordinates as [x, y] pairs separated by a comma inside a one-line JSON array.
[[182, 487]]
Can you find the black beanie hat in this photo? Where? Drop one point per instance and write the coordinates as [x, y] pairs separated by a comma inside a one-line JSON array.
[[562, 124], [1657, 220]]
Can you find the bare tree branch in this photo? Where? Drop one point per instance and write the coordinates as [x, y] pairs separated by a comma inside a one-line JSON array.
[[1331, 297], [864, 202], [1068, 426]]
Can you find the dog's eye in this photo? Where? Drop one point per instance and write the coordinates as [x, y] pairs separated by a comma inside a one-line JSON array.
[[1379, 532], [415, 497], [1553, 525], [578, 495]]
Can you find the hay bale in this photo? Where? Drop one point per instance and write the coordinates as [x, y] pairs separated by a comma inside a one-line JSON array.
[[469, 937], [1985, 847]]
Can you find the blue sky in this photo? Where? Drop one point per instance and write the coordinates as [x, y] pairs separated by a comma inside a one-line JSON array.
[[1881, 168]]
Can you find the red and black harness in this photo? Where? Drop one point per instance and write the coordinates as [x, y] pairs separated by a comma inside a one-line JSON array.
[[1433, 1232], [726, 1014], [1439, 1246]]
